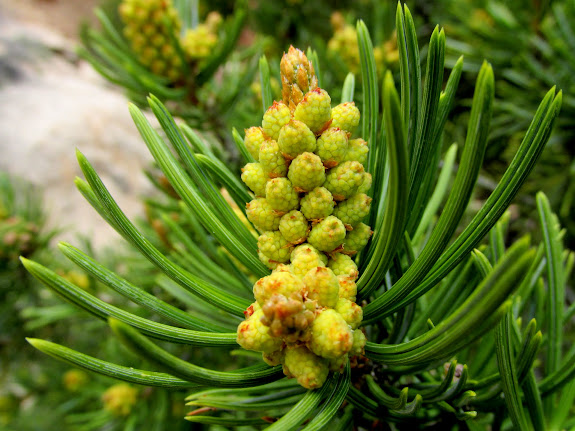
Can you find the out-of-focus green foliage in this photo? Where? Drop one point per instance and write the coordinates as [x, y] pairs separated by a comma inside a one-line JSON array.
[[22, 233], [530, 44]]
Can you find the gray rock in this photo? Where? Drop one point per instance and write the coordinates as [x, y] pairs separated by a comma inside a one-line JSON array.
[[52, 103]]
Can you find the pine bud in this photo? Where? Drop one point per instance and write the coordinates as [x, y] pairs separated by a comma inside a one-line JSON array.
[[120, 399], [298, 77], [253, 141], [294, 227], [254, 335], [274, 246], [306, 249], [262, 215], [317, 204], [75, 380], [345, 116], [148, 26], [331, 336], [365, 184], [322, 286], [296, 138], [271, 159], [337, 21], [288, 318], [281, 195], [310, 370], [332, 146], [278, 283], [328, 234], [343, 180], [356, 151], [350, 311], [357, 239], [317, 188], [306, 172], [344, 45], [277, 116], [359, 341], [347, 287], [304, 258], [198, 43], [353, 210], [282, 267], [254, 176], [342, 264], [314, 110], [214, 21], [271, 264]]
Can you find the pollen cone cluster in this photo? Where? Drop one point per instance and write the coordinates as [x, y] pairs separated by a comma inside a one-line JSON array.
[[153, 29], [310, 190], [199, 42], [343, 45]]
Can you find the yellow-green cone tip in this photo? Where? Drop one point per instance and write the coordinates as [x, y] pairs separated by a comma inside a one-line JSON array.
[[332, 146], [309, 369], [281, 195], [345, 116], [317, 204], [262, 215], [294, 227], [328, 234], [255, 177], [342, 264], [331, 336], [273, 162], [277, 116], [314, 110], [353, 210], [274, 246], [307, 169], [306, 172], [344, 180]]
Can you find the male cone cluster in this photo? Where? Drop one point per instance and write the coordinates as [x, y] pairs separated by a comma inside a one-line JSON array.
[[343, 45], [152, 26], [310, 190], [120, 399]]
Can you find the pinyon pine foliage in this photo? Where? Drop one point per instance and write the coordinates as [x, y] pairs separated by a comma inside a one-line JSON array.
[[162, 47], [426, 322]]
